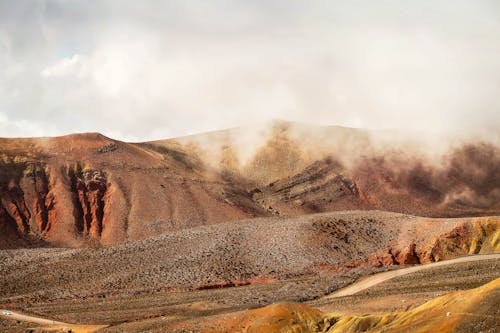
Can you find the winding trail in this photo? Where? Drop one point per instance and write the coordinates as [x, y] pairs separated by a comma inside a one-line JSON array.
[[31, 319], [370, 281], [51, 324]]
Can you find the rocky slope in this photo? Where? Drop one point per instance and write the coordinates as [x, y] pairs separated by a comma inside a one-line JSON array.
[[250, 251]]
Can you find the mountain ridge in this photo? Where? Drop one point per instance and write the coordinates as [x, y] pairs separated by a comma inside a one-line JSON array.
[[87, 189]]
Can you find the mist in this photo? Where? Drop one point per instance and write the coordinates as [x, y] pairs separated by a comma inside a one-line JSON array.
[[144, 70]]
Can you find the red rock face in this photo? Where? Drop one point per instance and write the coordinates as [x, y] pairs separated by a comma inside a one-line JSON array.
[[17, 207], [44, 200], [89, 188], [451, 242], [383, 258], [32, 212], [14, 210], [25, 200], [408, 256], [464, 237], [9, 235]]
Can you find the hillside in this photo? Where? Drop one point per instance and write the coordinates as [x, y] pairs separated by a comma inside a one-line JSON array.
[[250, 251], [87, 189]]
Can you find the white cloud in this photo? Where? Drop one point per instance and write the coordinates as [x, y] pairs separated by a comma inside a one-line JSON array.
[[3, 118], [66, 67], [5, 43], [144, 70], [23, 127]]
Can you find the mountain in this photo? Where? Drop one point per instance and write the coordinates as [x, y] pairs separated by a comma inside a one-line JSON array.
[[87, 189]]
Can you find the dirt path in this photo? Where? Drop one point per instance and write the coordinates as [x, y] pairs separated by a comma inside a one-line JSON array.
[[48, 323], [370, 281], [22, 317]]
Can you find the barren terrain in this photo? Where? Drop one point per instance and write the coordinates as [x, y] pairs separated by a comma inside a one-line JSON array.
[[193, 311], [221, 232], [249, 251]]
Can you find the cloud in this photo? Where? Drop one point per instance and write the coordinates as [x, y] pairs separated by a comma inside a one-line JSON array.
[[150, 69], [16, 127], [65, 67]]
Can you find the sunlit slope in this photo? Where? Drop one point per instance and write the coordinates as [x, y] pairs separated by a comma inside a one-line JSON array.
[[462, 311]]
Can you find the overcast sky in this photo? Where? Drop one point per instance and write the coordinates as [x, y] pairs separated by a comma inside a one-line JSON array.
[[139, 70]]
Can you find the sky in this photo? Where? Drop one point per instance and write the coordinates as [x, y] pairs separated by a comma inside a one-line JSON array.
[[142, 70]]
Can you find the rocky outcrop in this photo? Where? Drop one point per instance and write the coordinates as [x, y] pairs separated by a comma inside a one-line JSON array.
[[44, 198], [28, 201], [322, 186], [14, 205], [89, 189], [479, 235], [382, 258], [408, 256], [25, 198]]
